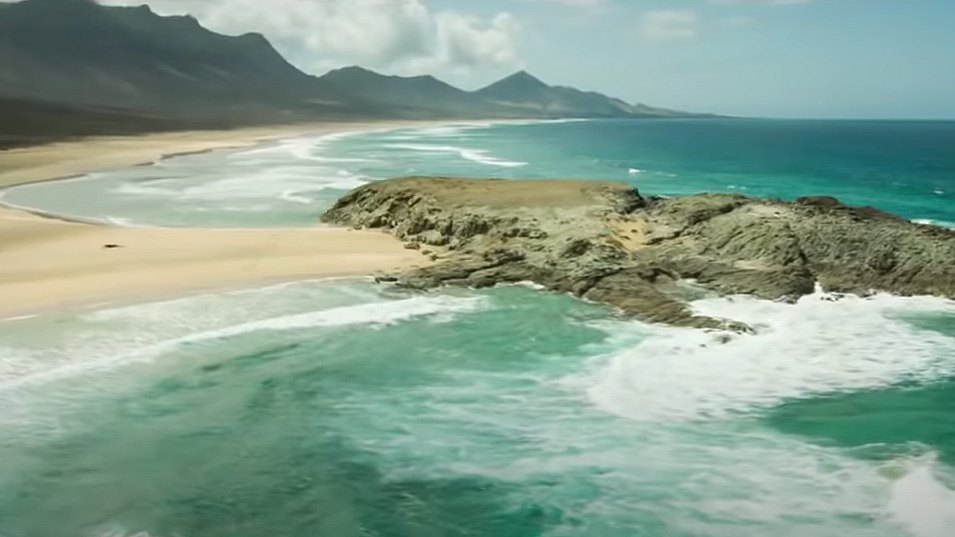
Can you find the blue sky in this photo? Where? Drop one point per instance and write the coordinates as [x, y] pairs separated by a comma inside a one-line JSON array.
[[827, 58], [773, 58]]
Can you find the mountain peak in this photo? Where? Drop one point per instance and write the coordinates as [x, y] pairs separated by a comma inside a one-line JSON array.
[[142, 8], [86, 53], [524, 74], [352, 69], [517, 87], [523, 77], [248, 37], [353, 74]]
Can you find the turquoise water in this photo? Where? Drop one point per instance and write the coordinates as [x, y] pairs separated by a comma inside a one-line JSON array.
[[904, 167], [343, 408]]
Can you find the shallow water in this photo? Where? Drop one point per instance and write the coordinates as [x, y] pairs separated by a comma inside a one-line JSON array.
[[342, 408], [904, 167], [349, 409]]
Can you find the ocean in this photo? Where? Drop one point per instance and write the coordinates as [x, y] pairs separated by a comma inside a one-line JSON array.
[[343, 408]]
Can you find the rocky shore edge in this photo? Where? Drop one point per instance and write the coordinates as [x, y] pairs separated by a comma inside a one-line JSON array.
[[605, 242]]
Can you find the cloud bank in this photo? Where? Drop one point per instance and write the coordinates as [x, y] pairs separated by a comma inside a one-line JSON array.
[[395, 35]]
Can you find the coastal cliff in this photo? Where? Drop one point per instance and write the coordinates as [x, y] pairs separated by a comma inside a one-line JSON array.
[[604, 242]]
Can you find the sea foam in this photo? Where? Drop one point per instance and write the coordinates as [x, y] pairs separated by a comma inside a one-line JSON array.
[[823, 344], [919, 501], [931, 222], [694, 398], [20, 369], [474, 155]]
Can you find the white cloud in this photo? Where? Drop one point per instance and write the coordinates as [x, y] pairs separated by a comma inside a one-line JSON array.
[[670, 25], [396, 35], [465, 41]]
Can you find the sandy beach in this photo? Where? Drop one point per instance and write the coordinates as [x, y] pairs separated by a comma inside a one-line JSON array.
[[47, 263]]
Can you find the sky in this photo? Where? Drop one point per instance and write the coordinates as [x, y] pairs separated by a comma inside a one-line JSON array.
[[767, 58]]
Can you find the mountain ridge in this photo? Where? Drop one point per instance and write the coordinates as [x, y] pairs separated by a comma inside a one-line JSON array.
[[82, 55], [520, 94]]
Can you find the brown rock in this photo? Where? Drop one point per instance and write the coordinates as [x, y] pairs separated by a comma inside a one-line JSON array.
[[605, 242]]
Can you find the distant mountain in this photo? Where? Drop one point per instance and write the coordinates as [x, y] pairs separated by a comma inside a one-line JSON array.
[[416, 95], [526, 92], [521, 88], [520, 95], [106, 65], [80, 52]]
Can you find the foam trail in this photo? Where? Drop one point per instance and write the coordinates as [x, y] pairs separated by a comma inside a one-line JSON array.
[[373, 314], [301, 148], [279, 182], [19, 318], [298, 149], [121, 222], [457, 129], [116, 531], [815, 347], [448, 131], [142, 189], [474, 155], [305, 149], [931, 222], [295, 197], [921, 503]]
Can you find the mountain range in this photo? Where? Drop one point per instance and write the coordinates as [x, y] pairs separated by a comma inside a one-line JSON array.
[[72, 66]]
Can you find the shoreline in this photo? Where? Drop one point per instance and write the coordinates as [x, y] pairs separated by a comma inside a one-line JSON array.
[[49, 265], [58, 161], [51, 262]]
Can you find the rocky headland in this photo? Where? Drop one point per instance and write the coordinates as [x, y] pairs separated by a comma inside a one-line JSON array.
[[604, 242]]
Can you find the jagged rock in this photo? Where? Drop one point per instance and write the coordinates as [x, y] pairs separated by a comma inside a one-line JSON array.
[[604, 242]]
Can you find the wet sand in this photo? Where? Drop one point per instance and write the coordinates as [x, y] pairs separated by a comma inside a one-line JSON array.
[[49, 263]]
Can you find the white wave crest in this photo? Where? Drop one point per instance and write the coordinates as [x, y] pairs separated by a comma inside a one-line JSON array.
[[14, 374], [276, 182], [303, 148], [931, 222], [820, 345], [474, 155], [120, 221]]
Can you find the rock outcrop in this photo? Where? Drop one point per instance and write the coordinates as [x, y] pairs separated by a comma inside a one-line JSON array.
[[604, 242]]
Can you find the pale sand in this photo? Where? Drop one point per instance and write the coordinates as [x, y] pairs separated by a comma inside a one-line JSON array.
[[65, 159], [51, 264]]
